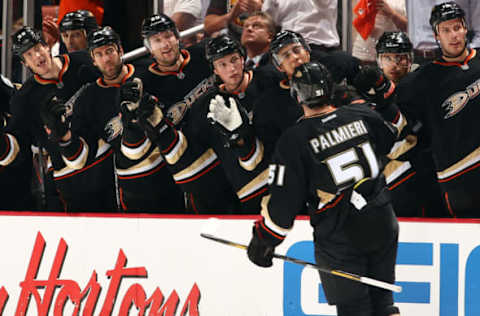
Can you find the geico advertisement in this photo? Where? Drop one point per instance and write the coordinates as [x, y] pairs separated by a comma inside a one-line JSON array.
[[154, 265]]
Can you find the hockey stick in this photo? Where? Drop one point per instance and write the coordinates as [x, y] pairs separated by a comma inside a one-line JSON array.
[[339, 273]]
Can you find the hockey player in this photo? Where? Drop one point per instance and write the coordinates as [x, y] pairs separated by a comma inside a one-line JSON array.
[[276, 109], [330, 162], [177, 77], [415, 191], [62, 76], [144, 182], [74, 29], [442, 96], [227, 107], [222, 143]]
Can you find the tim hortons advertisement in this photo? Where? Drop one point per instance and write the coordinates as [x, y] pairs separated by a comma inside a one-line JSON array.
[[159, 265]]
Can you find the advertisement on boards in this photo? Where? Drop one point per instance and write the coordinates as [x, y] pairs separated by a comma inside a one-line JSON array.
[[159, 265]]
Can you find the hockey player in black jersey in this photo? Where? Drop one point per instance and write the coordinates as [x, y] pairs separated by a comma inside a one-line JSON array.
[[443, 96], [411, 179], [62, 76], [275, 110], [74, 29], [330, 161], [176, 76], [97, 128], [215, 140], [16, 179]]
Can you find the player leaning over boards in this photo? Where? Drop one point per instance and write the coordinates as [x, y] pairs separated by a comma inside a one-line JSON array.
[[330, 162]]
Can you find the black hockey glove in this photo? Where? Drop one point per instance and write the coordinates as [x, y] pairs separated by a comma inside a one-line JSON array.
[[150, 116], [372, 84], [131, 94], [258, 251], [54, 115], [230, 121]]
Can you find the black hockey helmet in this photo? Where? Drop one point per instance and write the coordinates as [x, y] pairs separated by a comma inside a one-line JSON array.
[[104, 36], [222, 45], [282, 39], [158, 23], [72, 21], [394, 42], [24, 39], [444, 12], [90, 20], [312, 84]]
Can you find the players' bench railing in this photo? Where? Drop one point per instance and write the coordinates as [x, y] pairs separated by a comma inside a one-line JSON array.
[[142, 51]]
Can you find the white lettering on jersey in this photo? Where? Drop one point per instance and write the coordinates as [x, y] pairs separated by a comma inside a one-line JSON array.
[[338, 136]]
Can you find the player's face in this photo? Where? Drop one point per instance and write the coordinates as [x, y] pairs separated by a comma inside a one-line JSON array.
[[75, 40], [108, 60], [230, 69], [255, 31], [394, 65], [38, 59], [165, 48], [452, 37], [291, 56]]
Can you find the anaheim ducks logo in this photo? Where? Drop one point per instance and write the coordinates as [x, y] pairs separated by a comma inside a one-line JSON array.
[[455, 103], [113, 128], [176, 112]]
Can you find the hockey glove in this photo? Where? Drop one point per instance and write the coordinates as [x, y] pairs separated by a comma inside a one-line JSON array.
[[150, 116], [131, 94], [231, 121], [372, 84], [53, 114], [258, 251]]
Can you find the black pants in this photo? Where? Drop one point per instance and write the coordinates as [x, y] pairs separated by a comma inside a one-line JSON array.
[[354, 298]]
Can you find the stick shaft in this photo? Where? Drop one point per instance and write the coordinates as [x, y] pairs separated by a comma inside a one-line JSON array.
[[339, 273]]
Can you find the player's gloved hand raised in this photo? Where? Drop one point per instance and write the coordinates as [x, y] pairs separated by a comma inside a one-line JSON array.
[[231, 120], [54, 115], [258, 251], [374, 86], [150, 115], [131, 94]]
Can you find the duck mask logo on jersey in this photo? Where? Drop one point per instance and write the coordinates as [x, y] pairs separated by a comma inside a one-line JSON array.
[[456, 102], [113, 128]]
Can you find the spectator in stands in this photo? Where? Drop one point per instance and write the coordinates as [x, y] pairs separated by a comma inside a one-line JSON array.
[[221, 17], [187, 14], [391, 16], [315, 20], [258, 31]]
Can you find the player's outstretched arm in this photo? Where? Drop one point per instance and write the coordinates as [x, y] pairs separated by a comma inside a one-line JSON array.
[[231, 122]]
